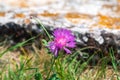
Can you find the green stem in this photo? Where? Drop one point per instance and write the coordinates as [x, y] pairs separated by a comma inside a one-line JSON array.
[[43, 28], [53, 61]]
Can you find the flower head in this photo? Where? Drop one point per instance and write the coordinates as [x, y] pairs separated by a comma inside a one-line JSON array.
[[63, 39]]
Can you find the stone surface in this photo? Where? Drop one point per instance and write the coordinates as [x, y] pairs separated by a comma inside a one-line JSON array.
[[96, 23]]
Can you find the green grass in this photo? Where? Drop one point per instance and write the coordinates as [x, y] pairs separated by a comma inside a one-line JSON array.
[[39, 65]]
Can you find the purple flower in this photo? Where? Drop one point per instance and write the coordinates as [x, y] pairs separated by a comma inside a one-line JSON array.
[[63, 40]]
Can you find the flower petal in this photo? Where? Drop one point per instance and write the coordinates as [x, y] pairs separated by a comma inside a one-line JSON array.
[[71, 44], [67, 50], [52, 46], [56, 53], [63, 39]]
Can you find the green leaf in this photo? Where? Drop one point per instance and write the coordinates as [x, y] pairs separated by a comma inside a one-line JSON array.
[[38, 76], [54, 77], [45, 43]]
